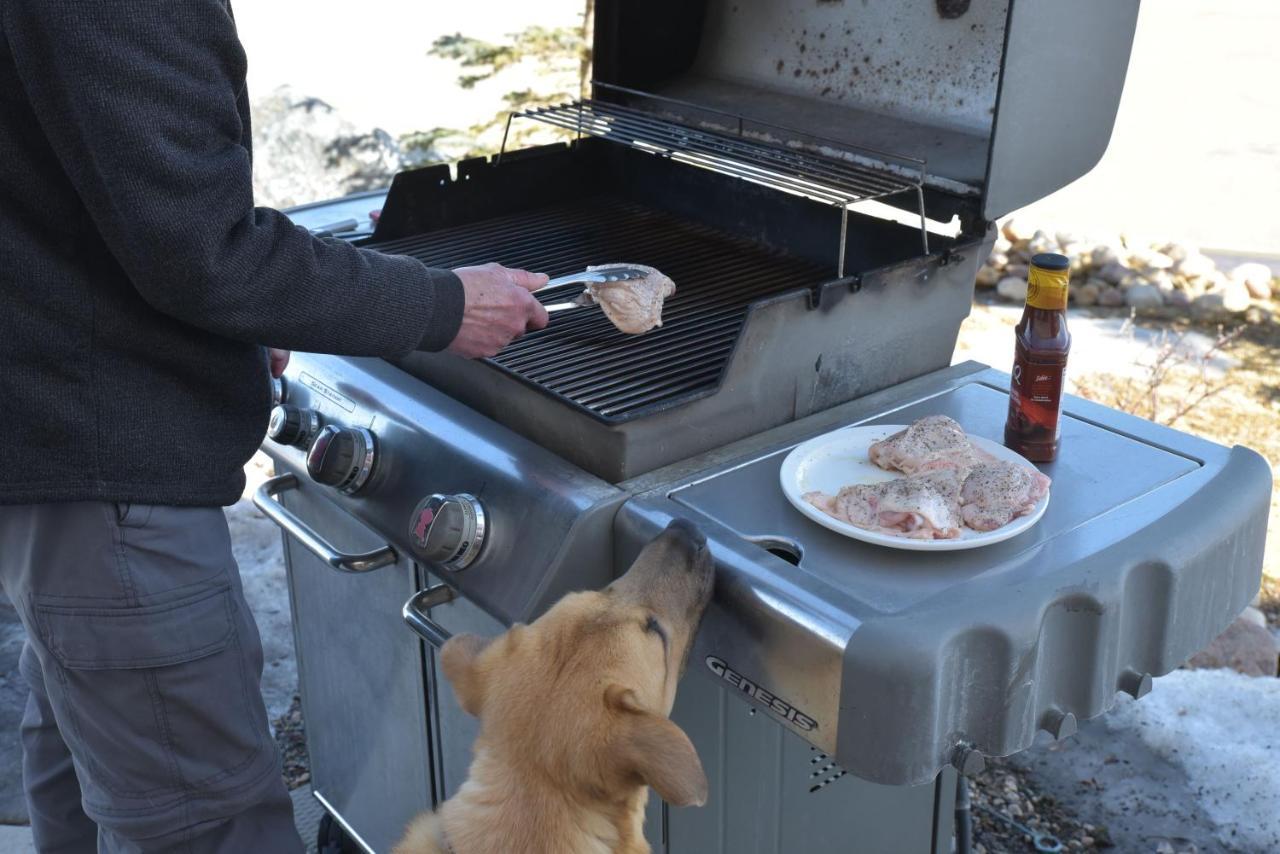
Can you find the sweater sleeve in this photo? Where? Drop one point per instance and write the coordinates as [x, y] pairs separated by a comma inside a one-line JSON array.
[[138, 99]]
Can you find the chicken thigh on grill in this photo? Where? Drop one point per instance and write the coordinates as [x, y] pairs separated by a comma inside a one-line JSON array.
[[633, 305]]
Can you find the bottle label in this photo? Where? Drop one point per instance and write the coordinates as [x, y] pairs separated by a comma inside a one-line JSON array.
[[1036, 393], [1047, 289]]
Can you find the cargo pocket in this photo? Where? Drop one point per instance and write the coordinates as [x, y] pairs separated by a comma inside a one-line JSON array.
[[158, 697]]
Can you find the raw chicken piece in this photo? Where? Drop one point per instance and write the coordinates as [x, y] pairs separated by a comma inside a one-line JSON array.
[[933, 442], [635, 305], [994, 494], [925, 508]]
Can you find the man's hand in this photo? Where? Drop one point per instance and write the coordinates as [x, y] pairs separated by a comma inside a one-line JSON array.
[[279, 361], [499, 309]]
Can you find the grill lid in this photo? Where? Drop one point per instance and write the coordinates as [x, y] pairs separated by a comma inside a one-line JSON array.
[[1007, 100]]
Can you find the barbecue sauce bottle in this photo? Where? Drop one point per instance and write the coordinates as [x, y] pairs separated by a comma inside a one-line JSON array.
[[1040, 360]]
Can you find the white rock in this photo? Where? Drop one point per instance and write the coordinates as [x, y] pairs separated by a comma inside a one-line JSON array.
[[988, 276], [1253, 615], [1179, 251], [1232, 298], [1012, 288], [1002, 245], [999, 260], [1254, 276], [1143, 296], [1151, 260], [1042, 242], [1113, 273], [1195, 266]]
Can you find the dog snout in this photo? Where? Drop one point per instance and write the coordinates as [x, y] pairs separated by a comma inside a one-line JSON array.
[[686, 536]]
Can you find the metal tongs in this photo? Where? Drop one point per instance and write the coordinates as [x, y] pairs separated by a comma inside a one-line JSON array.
[[589, 277]]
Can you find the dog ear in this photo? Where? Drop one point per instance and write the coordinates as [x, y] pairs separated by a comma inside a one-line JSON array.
[[658, 752], [459, 658]]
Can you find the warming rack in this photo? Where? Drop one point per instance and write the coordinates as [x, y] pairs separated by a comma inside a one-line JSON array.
[[849, 175]]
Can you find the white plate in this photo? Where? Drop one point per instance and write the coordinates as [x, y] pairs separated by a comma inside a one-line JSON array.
[[839, 459]]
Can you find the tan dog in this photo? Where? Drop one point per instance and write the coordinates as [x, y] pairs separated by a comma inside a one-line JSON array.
[[573, 715]]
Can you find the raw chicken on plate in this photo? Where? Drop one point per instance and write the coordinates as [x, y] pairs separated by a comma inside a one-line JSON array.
[[933, 442], [925, 507], [996, 493]]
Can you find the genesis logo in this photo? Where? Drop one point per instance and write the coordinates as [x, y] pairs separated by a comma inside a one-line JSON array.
[[777, 705]]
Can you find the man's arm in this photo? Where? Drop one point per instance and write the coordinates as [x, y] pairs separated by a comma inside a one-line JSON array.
[[138, 101]]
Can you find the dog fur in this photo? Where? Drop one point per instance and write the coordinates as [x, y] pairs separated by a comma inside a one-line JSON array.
[[573, 711]]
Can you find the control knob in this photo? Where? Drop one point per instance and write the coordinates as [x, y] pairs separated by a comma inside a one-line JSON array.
[[293, 425], [448, 530], [342, 457]]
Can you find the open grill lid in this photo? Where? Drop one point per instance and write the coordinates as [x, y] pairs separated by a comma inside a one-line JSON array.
[[1006, 101]]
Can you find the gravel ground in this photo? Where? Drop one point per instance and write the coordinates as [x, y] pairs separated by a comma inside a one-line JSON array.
[[291, 740], [1004, 790]]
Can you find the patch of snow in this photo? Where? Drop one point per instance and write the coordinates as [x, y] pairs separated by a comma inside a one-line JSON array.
[[1223, 730]]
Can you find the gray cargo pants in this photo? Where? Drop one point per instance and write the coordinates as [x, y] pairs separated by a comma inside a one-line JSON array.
[[145, 728]]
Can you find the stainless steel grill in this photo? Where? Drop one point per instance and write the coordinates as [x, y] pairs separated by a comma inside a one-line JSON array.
[[580, 357]]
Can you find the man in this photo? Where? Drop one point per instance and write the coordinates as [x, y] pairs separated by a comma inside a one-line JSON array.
[[138, 289]]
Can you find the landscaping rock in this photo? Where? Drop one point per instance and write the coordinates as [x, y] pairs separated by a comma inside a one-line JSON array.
[[1012, 288], [1103, 255], [1015, 230], [988, 276], [1195, 266], [1244, 647], [1113, 272], [1255, 277], [1087, 294], [1253, 615], [1018, 271], [1041, 242], [1151, 260], [1232, 298], [1111, 298], [1143, 297], [304, 151]]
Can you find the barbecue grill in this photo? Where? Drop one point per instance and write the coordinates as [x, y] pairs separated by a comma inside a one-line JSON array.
[[790, 165]]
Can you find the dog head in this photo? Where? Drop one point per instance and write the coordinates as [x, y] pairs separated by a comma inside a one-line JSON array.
[[583, 693]]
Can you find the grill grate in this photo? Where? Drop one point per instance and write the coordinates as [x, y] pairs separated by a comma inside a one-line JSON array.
[[843, 175], [580, 357]]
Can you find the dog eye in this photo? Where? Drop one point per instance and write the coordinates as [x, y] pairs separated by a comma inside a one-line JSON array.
[[652, 625]]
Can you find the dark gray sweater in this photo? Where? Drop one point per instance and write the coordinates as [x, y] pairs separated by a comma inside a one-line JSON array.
[[138, 282]]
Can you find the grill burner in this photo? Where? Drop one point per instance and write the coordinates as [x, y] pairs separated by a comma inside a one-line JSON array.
[[580, 357]]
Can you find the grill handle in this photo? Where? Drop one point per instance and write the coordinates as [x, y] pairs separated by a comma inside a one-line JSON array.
[[264, 499], [415, 613]]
